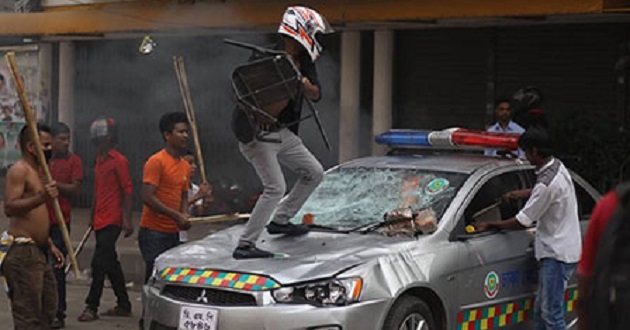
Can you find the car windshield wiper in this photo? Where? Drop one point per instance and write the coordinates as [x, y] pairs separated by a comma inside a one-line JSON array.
[[328, 228], [370, 227], [395, 218]]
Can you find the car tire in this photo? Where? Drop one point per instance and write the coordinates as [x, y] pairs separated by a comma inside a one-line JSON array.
[[407, 314]]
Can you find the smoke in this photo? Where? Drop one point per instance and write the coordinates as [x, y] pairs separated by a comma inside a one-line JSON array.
[[115, 80]]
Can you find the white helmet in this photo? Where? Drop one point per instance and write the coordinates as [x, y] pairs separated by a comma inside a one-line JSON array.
[[303, 24]]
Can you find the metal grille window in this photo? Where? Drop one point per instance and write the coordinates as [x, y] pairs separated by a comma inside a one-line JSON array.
[[27, 6]]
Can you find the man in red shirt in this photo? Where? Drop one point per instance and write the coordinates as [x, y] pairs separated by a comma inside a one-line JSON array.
[[111, 213], [67, 169], [597, 224]]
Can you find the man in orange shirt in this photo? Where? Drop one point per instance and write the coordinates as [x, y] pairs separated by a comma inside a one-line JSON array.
[[165, 192]]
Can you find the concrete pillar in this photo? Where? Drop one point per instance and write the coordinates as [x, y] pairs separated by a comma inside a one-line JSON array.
[[382, 97], [349, 95], [66, 84], [44, 82]]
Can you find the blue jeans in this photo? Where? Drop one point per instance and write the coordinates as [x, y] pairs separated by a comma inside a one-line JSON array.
[[152, 244], [552, 281]]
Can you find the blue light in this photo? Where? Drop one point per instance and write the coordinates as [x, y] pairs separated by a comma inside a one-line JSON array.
[[409, 138]]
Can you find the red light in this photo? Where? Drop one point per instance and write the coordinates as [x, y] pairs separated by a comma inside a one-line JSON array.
[[464, 137]]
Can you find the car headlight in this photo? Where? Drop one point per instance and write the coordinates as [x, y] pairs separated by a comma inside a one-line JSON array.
[[335, 292], [154, 280]]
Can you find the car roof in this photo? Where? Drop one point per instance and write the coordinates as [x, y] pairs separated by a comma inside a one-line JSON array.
[[456, 163]]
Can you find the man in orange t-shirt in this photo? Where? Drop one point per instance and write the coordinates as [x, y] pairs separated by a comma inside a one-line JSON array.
[[165, 192]]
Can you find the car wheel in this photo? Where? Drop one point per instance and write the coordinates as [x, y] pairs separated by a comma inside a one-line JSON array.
[[409, 313]]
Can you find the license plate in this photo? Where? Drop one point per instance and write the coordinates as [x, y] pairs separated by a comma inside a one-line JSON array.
[[195, 318]]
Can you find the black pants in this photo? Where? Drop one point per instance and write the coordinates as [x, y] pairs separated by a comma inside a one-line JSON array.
[[105, 263], [60, 274]]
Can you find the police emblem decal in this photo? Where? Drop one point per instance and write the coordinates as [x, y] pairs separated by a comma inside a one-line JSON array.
[[491, 285]]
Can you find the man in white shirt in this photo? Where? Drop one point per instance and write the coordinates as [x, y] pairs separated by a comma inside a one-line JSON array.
[[552, 207], [504, 124]]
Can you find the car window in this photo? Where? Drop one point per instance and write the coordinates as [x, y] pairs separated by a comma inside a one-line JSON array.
[[529, 178], [586, 203], [487, 204], [352, 197]]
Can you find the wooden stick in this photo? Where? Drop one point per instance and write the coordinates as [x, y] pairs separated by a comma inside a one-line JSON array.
[[31, 121], [218, 218], [84, 239], [182, 78]]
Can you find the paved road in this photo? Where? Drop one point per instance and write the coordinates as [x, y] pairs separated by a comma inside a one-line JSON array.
[[76, 296]]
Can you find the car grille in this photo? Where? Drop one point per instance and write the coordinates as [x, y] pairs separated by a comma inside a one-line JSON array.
[[212, 296], [159, 326]]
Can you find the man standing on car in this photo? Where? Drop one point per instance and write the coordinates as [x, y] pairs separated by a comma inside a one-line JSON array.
[[299, 30], [66, 169], [552, 206]]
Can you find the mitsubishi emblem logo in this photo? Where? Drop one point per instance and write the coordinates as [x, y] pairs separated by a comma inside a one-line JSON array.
[[202, 297]]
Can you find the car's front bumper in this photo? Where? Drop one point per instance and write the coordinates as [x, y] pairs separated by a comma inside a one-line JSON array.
[[163, 313]]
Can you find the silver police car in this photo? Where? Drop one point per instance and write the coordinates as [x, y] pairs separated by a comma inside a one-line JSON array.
[[389, 249]]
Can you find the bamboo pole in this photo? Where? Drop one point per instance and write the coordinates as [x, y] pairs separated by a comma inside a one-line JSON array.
[[79, 248], [32, 125], [219, 218], [182, 78]]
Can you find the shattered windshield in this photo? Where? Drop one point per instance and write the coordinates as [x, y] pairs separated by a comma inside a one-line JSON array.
[[349, 198]]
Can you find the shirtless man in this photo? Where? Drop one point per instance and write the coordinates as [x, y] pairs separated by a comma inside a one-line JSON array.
[[31, 283]]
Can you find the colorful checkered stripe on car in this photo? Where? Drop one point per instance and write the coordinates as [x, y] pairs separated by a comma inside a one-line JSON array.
[[506, 314], [570, 300], [218, 278]]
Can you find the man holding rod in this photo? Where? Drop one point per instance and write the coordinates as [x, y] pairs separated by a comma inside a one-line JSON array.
[[31, 283]]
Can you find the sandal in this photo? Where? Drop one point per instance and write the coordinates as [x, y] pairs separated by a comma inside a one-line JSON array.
[[117, 311], [88, 315]]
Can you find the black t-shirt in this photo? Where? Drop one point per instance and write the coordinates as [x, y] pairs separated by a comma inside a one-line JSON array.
[[240, 123]]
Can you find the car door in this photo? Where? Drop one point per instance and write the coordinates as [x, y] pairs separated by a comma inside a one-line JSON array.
[[497, 274]]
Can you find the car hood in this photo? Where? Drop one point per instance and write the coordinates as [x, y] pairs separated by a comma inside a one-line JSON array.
[[315, 255]]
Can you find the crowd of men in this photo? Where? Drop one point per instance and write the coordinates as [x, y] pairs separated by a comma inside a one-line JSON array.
[[37, 291]]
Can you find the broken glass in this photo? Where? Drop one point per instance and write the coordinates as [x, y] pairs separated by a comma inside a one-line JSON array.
[[354, 197]]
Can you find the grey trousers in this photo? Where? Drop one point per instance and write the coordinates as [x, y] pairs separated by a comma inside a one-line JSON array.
[[266, 158]]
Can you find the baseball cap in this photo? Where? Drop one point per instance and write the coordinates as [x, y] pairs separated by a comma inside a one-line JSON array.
[[102, 127]]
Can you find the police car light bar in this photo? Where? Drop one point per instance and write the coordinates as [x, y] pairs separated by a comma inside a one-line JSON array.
[[449, 139]]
